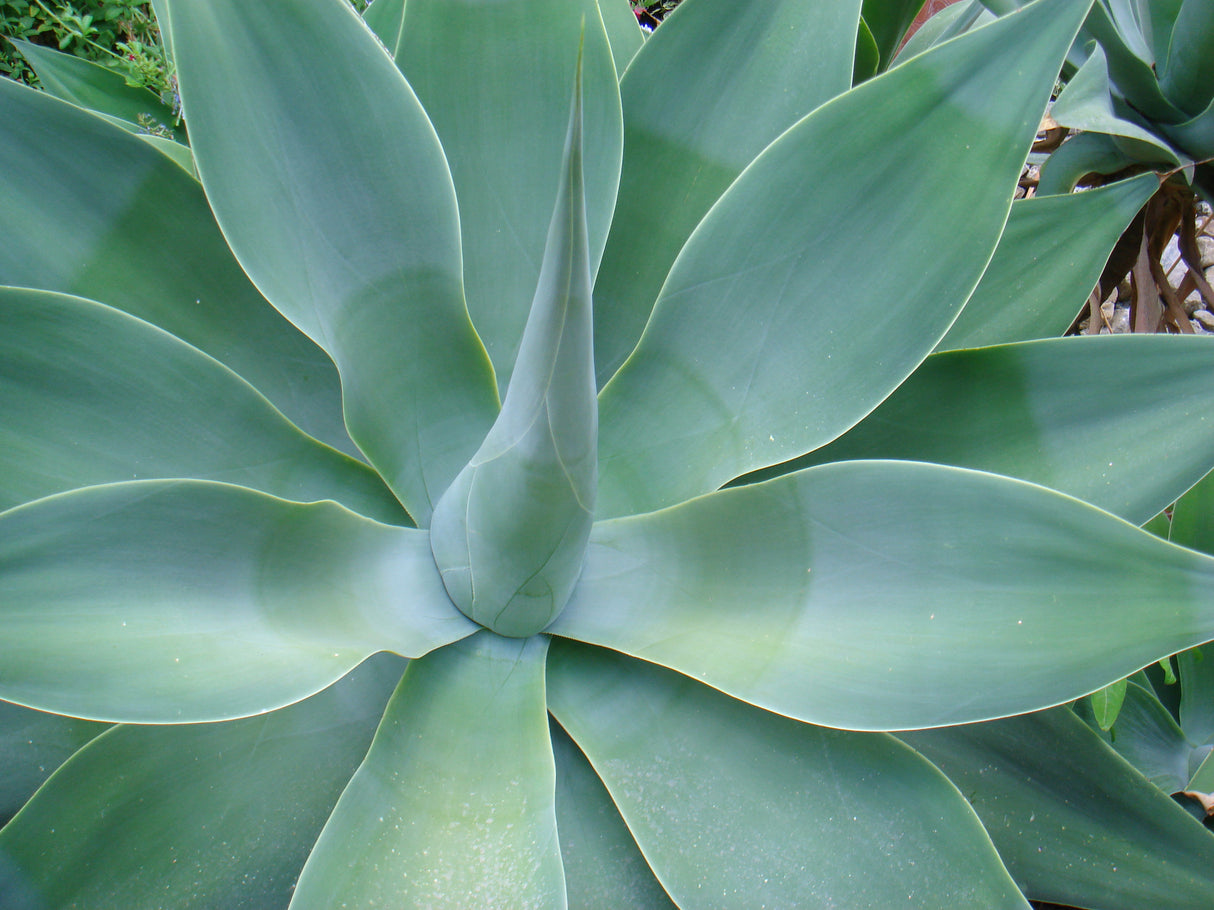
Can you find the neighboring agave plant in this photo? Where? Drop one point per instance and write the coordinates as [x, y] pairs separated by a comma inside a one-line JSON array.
[[252, 458]]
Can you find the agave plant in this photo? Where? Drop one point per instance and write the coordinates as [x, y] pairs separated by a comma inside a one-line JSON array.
[[326, 392]]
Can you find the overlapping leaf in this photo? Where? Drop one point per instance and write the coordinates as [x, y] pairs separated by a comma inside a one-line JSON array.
[[1086, 416], [91, 395], [510, 533], [889, 595], [178, 601], [832, 819], [332, 190], [215, 815], [502, 123], [683, 148], [754, 341], [1072, 821], [104, 216], [454, 804]]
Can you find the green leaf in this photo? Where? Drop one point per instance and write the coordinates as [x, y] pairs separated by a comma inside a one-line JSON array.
[[832, 819], [454, 804], [1193, 518], [92, 395], [1197, 694], [503, 123], [1086, 104], [104, 216], [331, 188], [92, 86], [753, 343], [866, 595], [946, 23], [1040, 411], [1186, 77], [683, 148], [1074, 823], [1147, 736], [604, 868], [32, 745], [868, 58], [1086, 153], [509, 535], [164, 601], [1044, 268], [203, 815], [889, 21], [1106, 703], [1130, 65], [623, 30]]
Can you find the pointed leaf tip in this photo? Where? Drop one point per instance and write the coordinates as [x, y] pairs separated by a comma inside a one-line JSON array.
[[510, 534]]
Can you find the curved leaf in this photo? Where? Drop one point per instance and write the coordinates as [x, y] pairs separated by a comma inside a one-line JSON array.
[[1051, 412], [1147, 736], [164, 601], [32, 745], [683, 148], [503, 125], [623, 30], [889, 21], [1074, 823], [750, 357], [1086, 104], [1086, 153], [1044, 268], [454, 804], [106, 217], [509, 535], [604, 868], [867, 595], [1186, 77], [90, 395], [92, 86], [204, 815], [734, 807], [331, 188]]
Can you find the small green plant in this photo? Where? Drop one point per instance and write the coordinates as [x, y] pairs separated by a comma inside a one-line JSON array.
[[380, 519], [119, 34]]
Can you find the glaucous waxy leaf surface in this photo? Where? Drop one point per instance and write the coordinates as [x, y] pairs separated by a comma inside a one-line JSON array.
[[683, 148], [1082, 415], [106, 217], [1073, 822], [92, 395], [201, 815], [509, 535], [689, 767], [866, 594], [862, 595], [1043, 270], [377, 284], [93, 86], [179, 601], [502, 124], [446, 814], [756, 338]]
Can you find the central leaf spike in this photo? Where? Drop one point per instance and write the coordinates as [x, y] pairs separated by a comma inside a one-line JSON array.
[[509, 535]]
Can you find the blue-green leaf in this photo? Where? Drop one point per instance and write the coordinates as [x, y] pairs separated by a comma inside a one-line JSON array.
[[831, 818], [199, 815], [331, 188], [752, 353], [178, 601], [454, 804], [867, 595], [509, 535]]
